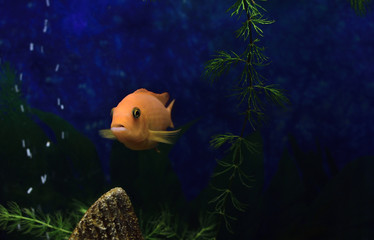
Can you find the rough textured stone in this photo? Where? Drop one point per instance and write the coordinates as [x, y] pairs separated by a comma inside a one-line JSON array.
[[110, 217]]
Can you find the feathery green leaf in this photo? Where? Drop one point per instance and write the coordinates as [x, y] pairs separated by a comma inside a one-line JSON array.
[[274, 94], [36, 223], [167, 226], [361, 7], [221, 64]]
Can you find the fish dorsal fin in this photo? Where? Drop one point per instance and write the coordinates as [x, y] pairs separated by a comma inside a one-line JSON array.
[[163, 97], [168, 137]]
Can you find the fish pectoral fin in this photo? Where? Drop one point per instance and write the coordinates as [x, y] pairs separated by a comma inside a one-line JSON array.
[[168, 137], [107, 133]]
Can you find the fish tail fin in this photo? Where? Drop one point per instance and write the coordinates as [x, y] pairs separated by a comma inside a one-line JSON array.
[[169, 111]]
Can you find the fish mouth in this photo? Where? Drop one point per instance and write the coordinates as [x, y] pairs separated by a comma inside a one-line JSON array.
[[118, 128]]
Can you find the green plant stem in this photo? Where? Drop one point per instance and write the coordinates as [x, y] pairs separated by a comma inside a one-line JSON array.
[[249, 65], [39, 222], [200, 233]]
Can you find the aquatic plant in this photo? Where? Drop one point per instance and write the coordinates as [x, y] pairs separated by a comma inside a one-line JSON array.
[[56, 162], [73, 173], [167, 226], [249, 88], [242, 148], [361, 7], [34, 222], [36, 144], [9, 92]]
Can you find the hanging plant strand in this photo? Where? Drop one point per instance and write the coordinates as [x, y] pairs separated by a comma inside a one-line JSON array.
[[248, 89]]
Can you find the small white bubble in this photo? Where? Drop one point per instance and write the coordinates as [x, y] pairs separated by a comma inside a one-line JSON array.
[[23, 143], [31, 46], [58, 101], [28, 152], [45, 28], [62, 135], [20, 76], [47, 3], [62, 107], [57, 67], [16, 88], [48, 144], [22, 108], [29, 190], [47, 235], [42, 49], [43, 178], [19, 226]]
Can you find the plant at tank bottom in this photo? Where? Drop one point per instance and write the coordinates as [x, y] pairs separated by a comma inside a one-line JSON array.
[[13, 218], [253, 90], [33, 222], [168, 226]]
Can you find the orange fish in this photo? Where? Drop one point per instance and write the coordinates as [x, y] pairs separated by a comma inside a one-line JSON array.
[[140, 120]]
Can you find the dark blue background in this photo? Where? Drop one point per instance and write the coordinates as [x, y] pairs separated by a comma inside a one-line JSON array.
[[322, 54]]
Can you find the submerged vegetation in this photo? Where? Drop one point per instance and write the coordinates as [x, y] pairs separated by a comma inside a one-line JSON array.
[[168, 226], [36, 223], [301, 202], [34, 171], [249, 88], [57, 168], [361, 7]]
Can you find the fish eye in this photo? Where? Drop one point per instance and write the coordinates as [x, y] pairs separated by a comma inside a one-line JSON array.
[[136, 112]]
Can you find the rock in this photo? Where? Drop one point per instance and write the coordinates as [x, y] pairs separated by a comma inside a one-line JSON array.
[[110, 217]]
